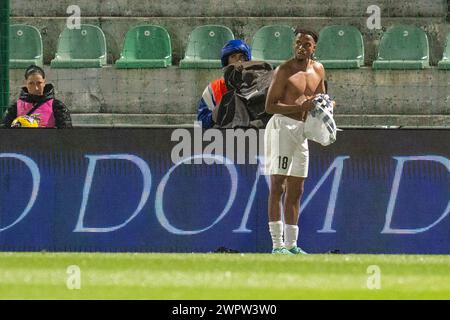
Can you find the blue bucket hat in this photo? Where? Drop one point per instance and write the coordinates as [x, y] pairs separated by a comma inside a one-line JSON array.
[[235, 46]]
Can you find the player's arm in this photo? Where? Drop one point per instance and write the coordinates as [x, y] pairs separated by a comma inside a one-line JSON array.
[[321, 87], [320, 70], [276, 93]]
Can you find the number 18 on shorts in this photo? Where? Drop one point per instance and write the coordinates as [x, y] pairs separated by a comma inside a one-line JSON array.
[[285, 147]]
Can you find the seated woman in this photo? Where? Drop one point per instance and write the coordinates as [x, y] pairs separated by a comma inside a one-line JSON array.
[[37, 106]]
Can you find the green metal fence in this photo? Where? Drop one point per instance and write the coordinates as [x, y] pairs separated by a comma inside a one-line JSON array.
[[4, 55]]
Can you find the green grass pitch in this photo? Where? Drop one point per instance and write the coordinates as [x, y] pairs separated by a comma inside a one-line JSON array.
[[222, 276]]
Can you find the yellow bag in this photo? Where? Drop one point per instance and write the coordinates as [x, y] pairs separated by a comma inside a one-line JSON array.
[[25, 122]]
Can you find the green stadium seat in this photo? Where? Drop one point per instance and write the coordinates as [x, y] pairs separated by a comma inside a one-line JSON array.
[[25, 46], [81, 48], [273, 44], [403, 47], [204, 47], [146, 46], [444, 64], [340, 47]]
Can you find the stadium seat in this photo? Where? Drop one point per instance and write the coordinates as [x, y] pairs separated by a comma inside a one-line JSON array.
[[25, 46], [340, 47], [403, 47], [273, 44], [444, 64], [146, 46], [204, 46], [81, 48]]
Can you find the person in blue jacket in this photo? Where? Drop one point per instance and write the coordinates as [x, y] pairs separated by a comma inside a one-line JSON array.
[[233, 51]]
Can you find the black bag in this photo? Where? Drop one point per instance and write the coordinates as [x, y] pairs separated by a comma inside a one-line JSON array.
[[243, 106]]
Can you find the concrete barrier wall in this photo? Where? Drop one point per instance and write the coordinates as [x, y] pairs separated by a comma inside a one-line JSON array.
[[170, 96], [230, 8], [179, 29], [159, 97]]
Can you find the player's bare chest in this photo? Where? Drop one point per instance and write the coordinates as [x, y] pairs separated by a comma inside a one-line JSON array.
[[304, 82]]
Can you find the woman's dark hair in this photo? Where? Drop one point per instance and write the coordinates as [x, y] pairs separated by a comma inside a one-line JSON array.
[[308, 32], [33, 69]]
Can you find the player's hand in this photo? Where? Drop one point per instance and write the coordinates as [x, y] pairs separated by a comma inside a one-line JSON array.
[[304, 102], [300, 100], [308, 105]]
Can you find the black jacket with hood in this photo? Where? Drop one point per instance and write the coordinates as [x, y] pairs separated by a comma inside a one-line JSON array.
[[60, 111]]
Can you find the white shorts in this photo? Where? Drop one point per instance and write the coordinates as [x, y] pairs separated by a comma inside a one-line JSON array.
[[285, 147]]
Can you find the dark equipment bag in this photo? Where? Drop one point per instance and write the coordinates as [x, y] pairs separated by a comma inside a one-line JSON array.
[[243, 106]]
